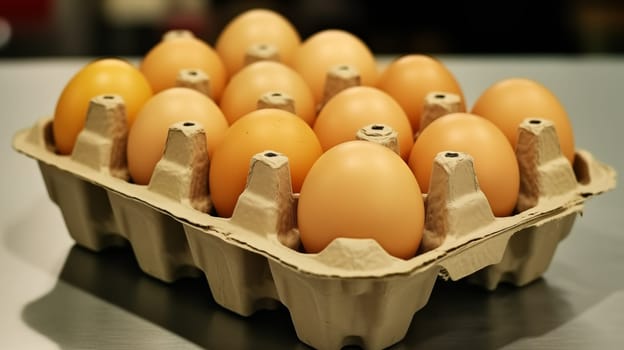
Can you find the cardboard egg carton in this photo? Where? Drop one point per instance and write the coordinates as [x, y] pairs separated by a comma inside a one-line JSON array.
[[352, 292]]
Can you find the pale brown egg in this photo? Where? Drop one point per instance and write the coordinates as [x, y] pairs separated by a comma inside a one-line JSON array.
[[147, 137], [256, 26], [495, 162], [508, 102], [329, 48], [409, 78], [360, 189], [259, 131], [358, 106], [250, 83], [163, 62]]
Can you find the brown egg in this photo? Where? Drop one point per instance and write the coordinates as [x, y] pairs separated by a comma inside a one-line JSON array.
[[409, 78], [250, 83], [147, 137], [495, 162], [259, 131], [329, 48], [358, 106], [257, 26], [360, 189], [508, 102], [164, 61]]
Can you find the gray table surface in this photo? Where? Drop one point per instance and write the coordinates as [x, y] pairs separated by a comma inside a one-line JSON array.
[[54, 294]]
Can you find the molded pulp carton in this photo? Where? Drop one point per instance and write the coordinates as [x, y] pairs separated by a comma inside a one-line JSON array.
[[354, 292]]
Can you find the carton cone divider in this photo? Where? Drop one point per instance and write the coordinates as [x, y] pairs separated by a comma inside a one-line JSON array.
[[438, 104], [276, 99], [338, 78], [101, 145], [267, 205], [194, 78], [261, 52], [544, 171], [455, 204], [381, 134], [182, 172]]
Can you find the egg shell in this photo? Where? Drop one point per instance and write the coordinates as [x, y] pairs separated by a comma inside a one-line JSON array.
[[257, 131], [358, 106], [328, 48], [252, 27], [409, 78], [360, 189], [164, 61], [147, 137], [246, 87], [495, 160], [508, 102], [101, 76]]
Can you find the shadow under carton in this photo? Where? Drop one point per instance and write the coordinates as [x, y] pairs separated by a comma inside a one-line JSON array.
[[339, 296]]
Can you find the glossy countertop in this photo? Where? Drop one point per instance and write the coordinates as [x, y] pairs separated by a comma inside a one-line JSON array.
[[57, 295]]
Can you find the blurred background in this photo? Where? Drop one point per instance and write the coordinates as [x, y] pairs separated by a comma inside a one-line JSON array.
[[30, 28]]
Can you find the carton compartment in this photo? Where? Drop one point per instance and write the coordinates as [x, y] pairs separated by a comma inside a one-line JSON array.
[[239, 280], [528, 253], [351, 293], [85, 208], [158, 241], [373, 313]]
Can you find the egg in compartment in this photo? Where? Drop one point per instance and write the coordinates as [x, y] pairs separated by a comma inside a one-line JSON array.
[[409, 78], [494, 159], [180, 50], [358, 106], [148, 135], [245, 88], [508, 102], [258, 131], [259, 26], [330, 48], [101, 76], [360, 189]]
